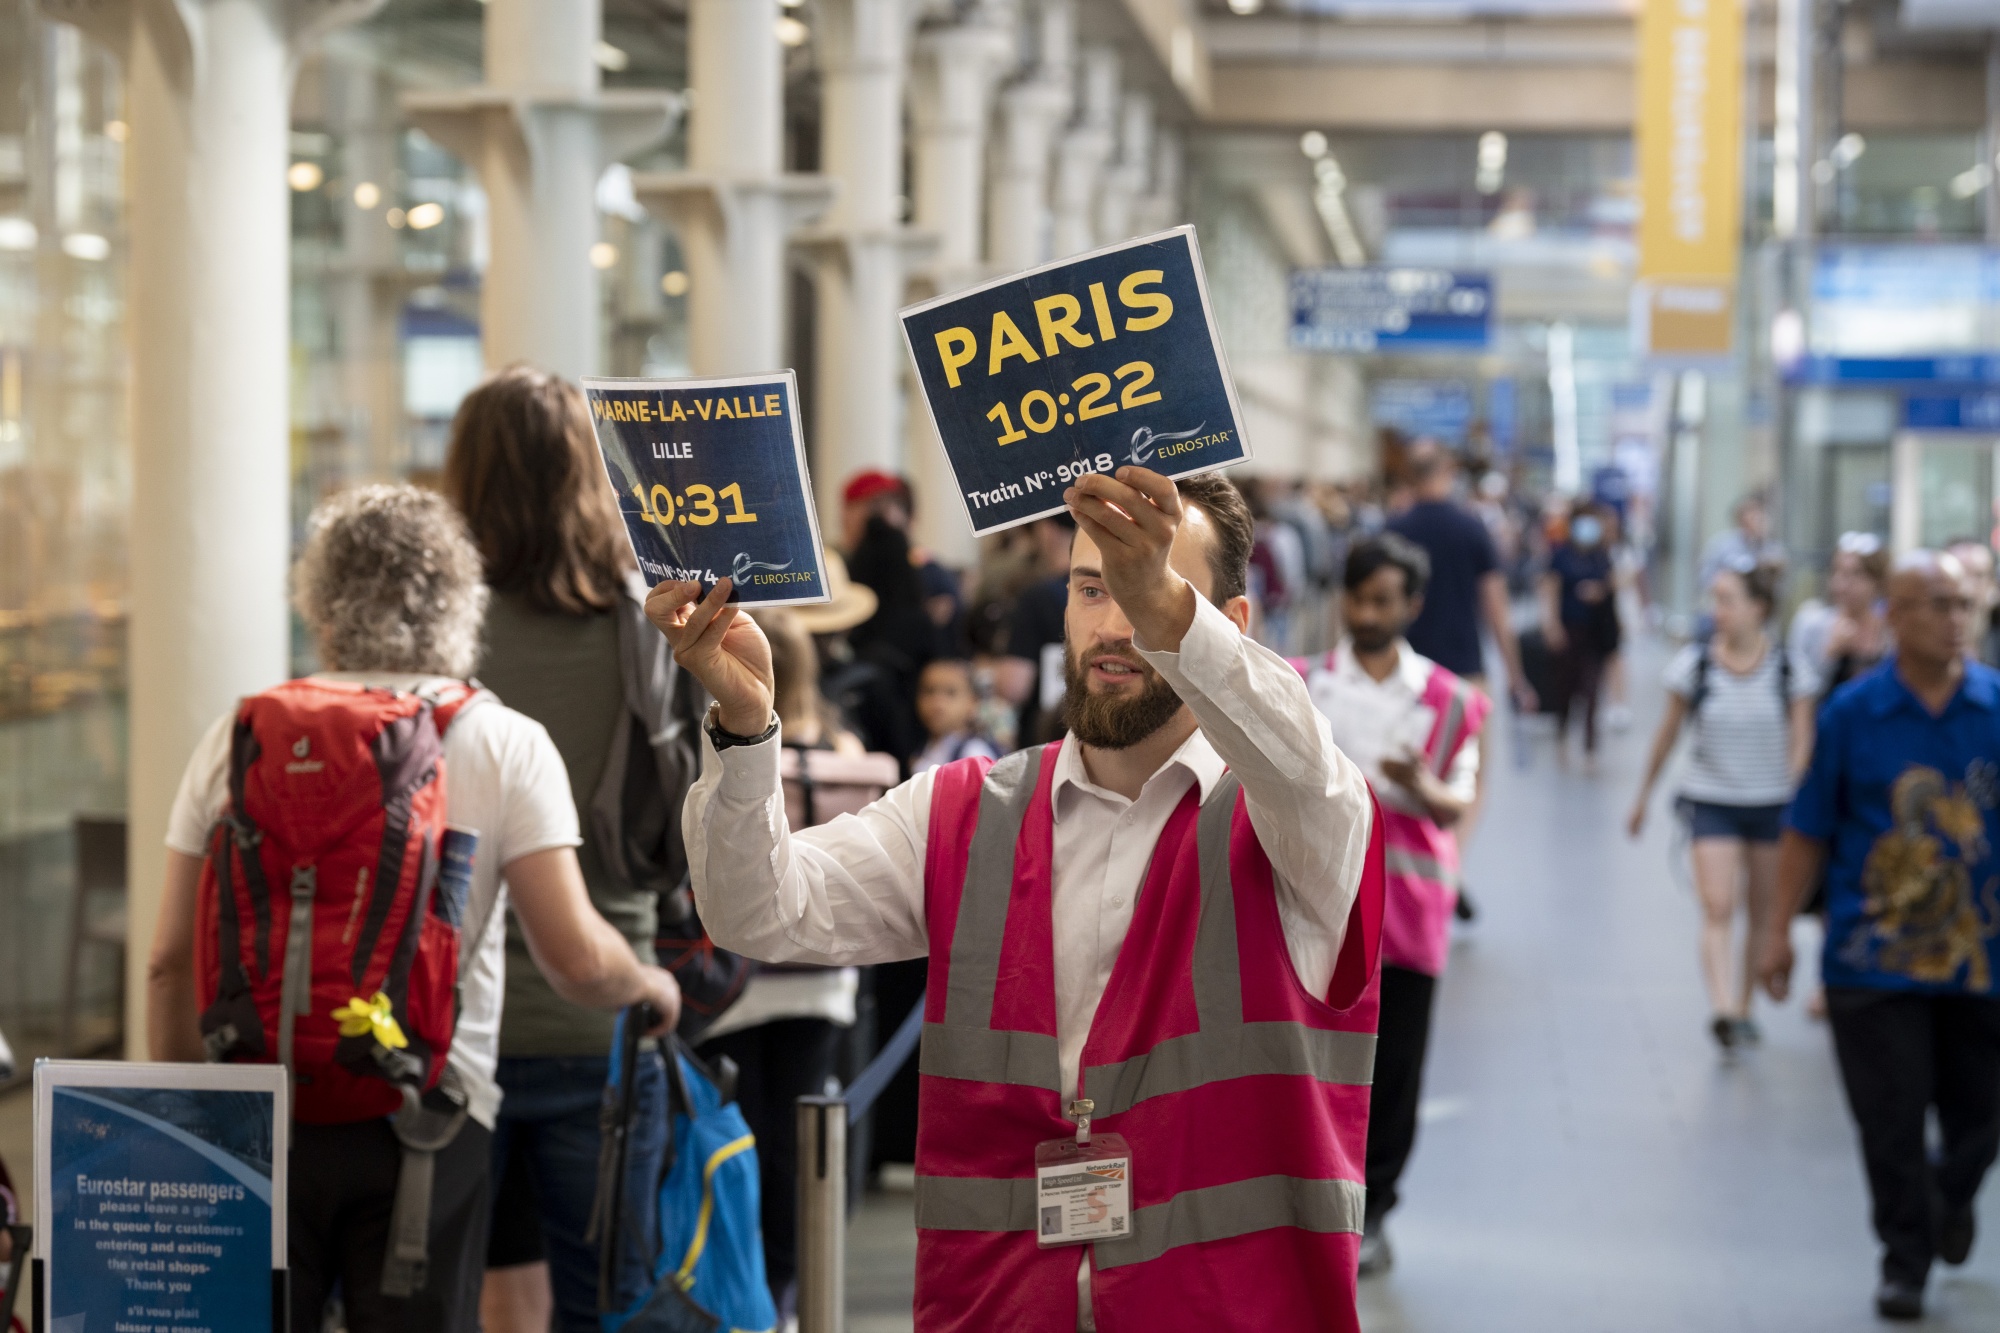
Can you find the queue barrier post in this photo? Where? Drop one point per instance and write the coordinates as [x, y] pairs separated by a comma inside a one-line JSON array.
[[822, 1127], [822, 1225]]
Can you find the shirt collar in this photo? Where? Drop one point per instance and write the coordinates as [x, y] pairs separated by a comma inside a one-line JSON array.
[[1412, 670], [1196, 756], [1980, 689]]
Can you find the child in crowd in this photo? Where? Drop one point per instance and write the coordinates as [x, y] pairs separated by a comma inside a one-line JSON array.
[[948, 703]]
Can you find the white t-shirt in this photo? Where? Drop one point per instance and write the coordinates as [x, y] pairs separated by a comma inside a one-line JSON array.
[[1741, 735], [505, 780]]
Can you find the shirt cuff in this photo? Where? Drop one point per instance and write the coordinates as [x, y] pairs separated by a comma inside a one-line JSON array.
[[1211, 643], [747, 773]]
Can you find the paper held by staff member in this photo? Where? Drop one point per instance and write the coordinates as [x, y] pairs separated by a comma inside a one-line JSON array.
[[1085, 365], [712, 483]]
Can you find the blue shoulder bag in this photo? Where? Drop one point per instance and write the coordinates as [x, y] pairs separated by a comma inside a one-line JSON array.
[[708, 1276]]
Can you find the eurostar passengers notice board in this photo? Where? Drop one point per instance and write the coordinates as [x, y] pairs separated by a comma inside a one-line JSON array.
[[1084, 365], [160, 1196], [711, 481]]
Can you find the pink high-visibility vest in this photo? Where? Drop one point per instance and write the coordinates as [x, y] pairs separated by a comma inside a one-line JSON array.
[[1243, 1097], [1422, 859]]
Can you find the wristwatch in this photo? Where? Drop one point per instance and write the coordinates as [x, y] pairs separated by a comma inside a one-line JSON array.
[[724, 739]]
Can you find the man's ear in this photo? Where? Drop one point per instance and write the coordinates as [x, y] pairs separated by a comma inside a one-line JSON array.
[[1237, 609], [1416, 609]]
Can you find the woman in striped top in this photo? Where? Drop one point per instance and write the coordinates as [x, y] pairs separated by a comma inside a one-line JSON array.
[[1752, 714]]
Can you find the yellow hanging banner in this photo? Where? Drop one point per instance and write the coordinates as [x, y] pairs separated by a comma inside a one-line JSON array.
[[1689, 144]]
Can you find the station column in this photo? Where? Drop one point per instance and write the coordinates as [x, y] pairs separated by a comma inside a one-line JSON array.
[[539, 132], [735, 207], [1083, 153], [951, 100], [862, 250], [209, 88], [1032, 111]]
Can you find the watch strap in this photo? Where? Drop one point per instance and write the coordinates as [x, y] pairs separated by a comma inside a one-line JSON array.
[[724, 739]]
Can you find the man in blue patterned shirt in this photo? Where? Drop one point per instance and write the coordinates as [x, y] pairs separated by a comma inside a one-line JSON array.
[[1901, 809]]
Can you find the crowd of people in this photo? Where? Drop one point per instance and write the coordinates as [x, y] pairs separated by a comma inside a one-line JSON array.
[[1279, 688]]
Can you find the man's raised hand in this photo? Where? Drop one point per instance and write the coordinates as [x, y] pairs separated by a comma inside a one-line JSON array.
[[1131, 517], [722, 646]]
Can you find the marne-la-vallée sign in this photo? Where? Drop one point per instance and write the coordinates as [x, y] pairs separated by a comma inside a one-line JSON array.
[[1085, 365]]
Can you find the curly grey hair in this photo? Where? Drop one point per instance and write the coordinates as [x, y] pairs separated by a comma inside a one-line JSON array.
[[390, 581]]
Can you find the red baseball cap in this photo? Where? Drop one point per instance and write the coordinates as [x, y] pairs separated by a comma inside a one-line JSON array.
[[867, 485]]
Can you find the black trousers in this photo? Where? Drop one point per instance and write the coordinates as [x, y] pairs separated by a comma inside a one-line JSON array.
[[1579, 676], [343, 1185], [1901, 1054], [1402, 1038], [779, 1063]]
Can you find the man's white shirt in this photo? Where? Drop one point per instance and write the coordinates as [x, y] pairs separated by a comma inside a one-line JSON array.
[[852, 891], [1373, 720]]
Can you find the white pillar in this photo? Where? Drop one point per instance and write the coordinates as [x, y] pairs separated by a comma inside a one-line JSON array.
[[370, 284], [1032, 111], [209, 95], [1161, 206], [539, 132], [1084, 150], [1130, 174], [951, 98], [735, 206], [860, 251]]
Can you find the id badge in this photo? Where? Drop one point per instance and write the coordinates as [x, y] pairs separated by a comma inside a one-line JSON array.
[[1083, 1188]]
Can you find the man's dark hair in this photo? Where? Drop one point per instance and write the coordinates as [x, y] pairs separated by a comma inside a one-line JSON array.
[[1384, 550], [1235, 532]]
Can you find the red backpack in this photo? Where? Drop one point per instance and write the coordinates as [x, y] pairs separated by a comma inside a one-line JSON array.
[[327, 928]]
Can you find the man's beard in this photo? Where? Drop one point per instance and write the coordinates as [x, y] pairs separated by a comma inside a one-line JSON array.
[[1108, 722], [1370, 640]]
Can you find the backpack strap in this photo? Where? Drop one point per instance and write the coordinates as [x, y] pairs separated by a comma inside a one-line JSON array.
[[423, 1132], [449, 702]]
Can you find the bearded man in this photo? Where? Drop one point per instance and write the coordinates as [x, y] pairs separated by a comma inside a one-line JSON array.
[[1167, 921]]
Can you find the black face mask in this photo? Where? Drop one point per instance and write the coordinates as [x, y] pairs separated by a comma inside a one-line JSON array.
[[1108, 723]]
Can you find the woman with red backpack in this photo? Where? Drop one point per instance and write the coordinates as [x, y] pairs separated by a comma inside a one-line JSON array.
[[342, 854]]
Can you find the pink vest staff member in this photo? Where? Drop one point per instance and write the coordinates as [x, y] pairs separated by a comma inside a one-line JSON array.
[[1172, 914], [1413, 727]]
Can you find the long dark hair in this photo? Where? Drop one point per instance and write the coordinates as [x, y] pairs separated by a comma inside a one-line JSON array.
[[523, 469]]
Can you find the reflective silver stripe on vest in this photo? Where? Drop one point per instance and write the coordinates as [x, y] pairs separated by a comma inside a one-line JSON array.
[[975, 1203], [989, 886], [1399, 861], [1181, 1063], [965, 1045], [1194, 1217], [1454, 723], [1218, 973], [983, 1055]]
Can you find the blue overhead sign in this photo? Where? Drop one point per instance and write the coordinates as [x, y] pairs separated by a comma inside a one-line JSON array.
[[1973, 410], [1391, 310], [1980, 368], [1435, 409]]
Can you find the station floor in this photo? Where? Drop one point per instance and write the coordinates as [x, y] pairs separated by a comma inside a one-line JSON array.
[[1587, 1163]]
